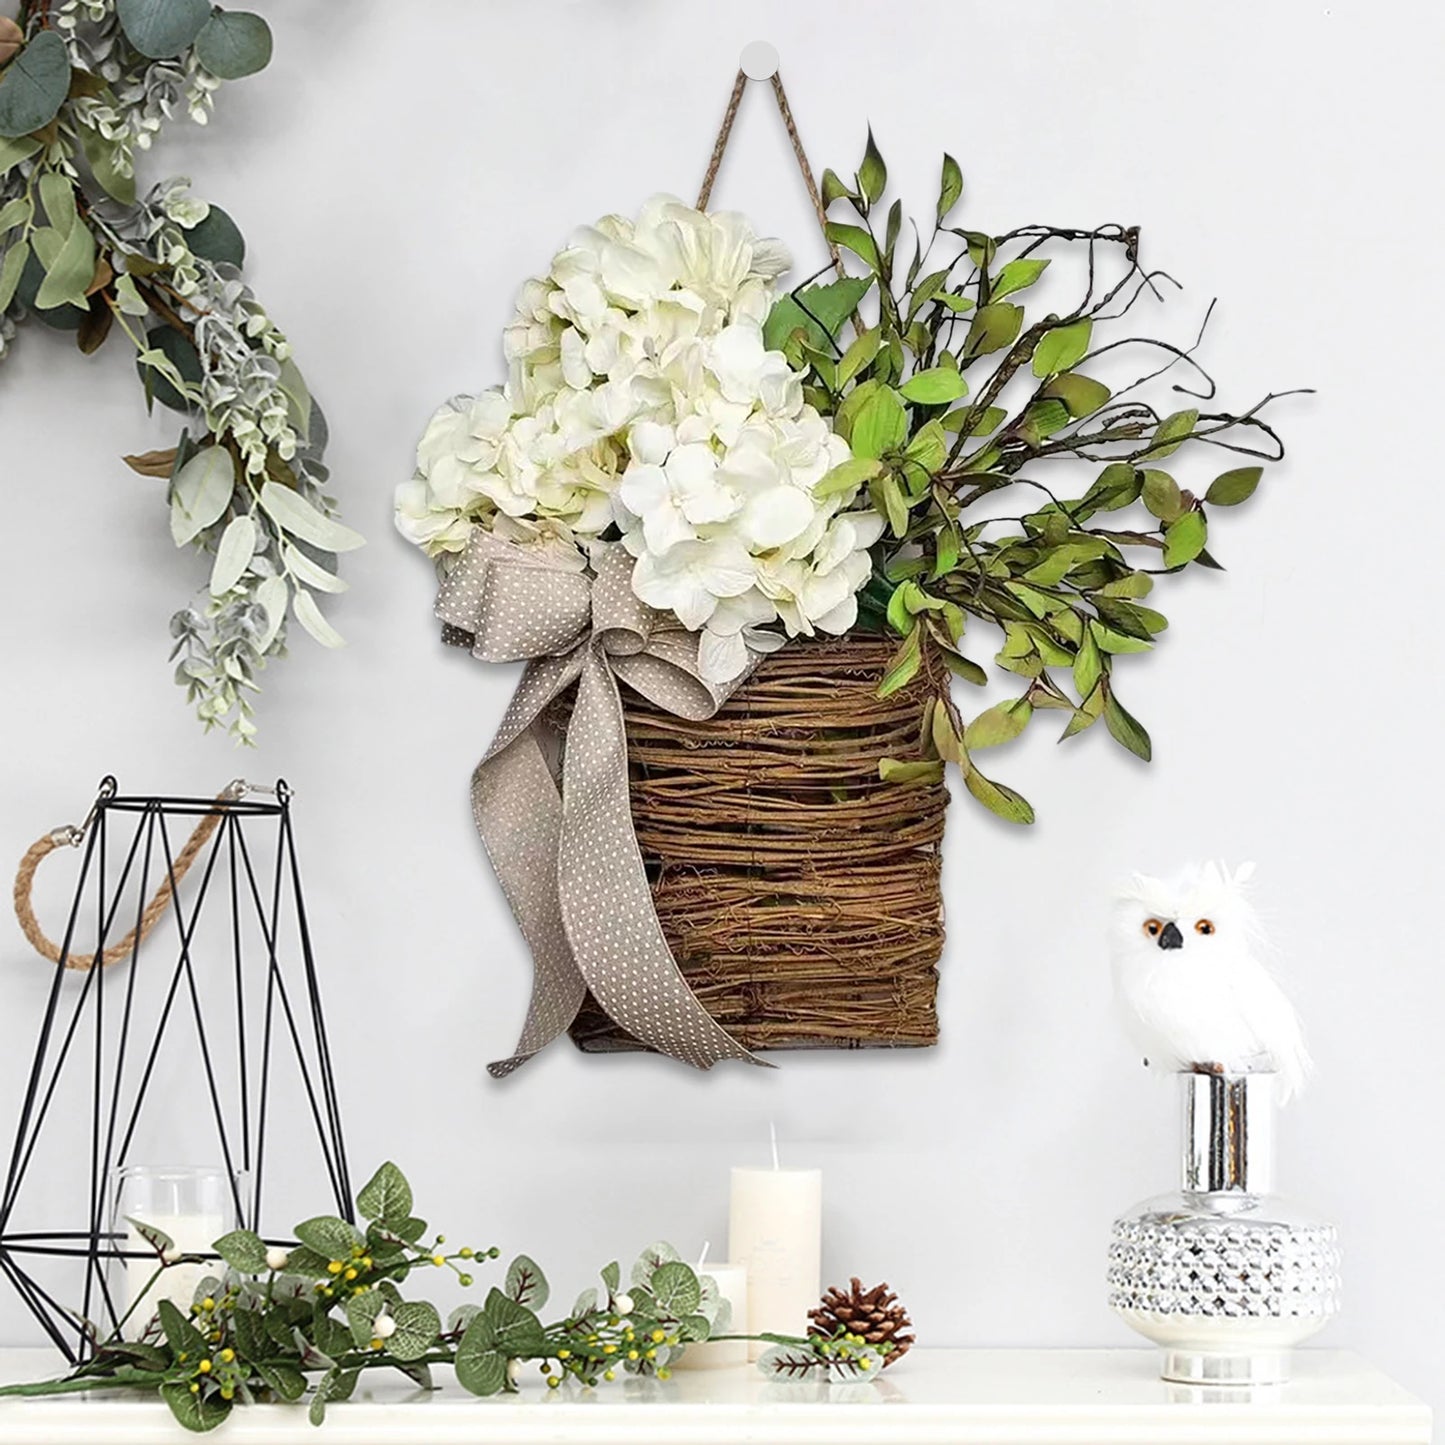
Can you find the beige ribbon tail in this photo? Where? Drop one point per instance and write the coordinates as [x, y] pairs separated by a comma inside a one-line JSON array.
[[524, 856], [606, 902]]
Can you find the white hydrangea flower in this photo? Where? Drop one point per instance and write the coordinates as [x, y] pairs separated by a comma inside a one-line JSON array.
[[641, 400]]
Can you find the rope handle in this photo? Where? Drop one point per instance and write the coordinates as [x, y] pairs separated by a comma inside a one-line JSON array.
[[71, 836], [786, 111]]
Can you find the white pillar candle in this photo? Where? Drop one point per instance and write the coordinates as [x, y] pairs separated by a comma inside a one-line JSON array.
[[776, 1233], [191, 1234], [732, 1283]]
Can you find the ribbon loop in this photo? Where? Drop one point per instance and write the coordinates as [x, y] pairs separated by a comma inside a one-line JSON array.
[[567, 857]]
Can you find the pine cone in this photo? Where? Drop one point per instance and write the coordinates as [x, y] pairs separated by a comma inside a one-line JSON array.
[[873, 1313]]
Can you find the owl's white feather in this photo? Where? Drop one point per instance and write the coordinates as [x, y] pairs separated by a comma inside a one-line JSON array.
[[1193, 986]]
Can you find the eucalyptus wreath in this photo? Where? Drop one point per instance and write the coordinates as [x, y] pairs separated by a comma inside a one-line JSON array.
[[278, 1321], [86, 85]]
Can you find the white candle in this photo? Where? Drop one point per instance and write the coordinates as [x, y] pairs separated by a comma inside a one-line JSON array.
[[776, 1232], [732, 1283], [191, 1234]]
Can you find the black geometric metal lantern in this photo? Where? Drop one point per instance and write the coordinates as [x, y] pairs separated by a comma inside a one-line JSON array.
[[196, 1053]]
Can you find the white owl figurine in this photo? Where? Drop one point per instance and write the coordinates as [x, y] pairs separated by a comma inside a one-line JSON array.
[[1189, 976]]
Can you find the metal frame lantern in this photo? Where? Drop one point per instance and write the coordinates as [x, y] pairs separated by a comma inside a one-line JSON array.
[[216, 1018]]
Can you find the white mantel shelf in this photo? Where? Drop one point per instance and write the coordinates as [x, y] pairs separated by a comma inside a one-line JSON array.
[[934, 1397]]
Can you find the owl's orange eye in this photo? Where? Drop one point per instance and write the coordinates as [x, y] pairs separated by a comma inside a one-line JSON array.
[[1204, 926], [1153, 928]]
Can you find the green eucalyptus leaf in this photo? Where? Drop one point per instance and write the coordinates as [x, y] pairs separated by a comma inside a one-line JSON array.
[[1081, 394], [179, 352], [1161, 494], [217, 238], [1015, 276], [11, 269], [361, 1312], [1062, 347], [1228, 489], [1086, 715], [1118, 485], [1088, 665], [880, 424], [998, 798], [417, 1326], [872, 174], [161, 29], [818, 311], [294, 514], [34, 85], [950, 187], [859, 355], [526, 1283], [893, 770], [243, 1250], [69, 274], [1172, 432], [387, 1196], [327, 1234], [336, 1384], [887, 496], [675, 1286], [834, 188], [936, 386], [904, 665], [999, 724], [197, 1413], [233, 44], [1126, 729], [200, 494], [1184, 539], [284, 1381], [186, 1341], [14, 149], [993, 327], [847, 476], [518, 1331], [481, 1367], [103, 157], [856, 240], [57, 195]]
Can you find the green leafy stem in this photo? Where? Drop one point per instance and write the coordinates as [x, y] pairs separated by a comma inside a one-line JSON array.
[[956, 399], [278, 1323]]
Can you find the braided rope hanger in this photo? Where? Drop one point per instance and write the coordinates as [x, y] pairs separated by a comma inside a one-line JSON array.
[[71, 836], [786, 111]]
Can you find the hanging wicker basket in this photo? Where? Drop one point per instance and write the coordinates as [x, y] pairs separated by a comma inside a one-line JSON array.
[[800, 894]]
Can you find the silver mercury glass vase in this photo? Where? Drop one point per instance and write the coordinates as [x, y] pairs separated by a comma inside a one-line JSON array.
[[1225, 1276]]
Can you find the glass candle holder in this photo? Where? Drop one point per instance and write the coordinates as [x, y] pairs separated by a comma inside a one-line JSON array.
[[195, 1207]]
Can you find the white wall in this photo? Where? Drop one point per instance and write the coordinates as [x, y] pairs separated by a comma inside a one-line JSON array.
[[397, 172]]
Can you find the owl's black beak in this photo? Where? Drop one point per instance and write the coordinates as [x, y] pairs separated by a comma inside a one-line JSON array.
[[1171, 937]]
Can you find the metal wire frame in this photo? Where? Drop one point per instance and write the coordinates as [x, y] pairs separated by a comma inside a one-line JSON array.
[[74, 1034]]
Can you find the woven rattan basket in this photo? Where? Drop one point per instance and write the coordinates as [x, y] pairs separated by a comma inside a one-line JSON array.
[[799, 893]]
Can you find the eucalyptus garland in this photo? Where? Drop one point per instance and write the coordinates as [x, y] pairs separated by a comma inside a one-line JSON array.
[[86, 85], [278, 1322]]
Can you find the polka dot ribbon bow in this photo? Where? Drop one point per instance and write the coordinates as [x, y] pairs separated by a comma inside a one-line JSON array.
[[567, 857]]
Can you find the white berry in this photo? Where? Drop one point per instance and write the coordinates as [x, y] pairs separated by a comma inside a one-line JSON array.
[[383, 1327], [623, 1304], [277, 1258]]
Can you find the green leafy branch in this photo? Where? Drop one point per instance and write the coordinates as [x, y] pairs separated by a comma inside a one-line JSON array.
[[275, 1323], [85, 86], [957, 398]]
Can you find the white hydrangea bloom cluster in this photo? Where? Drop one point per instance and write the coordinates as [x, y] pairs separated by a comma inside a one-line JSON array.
[[642, 403]]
